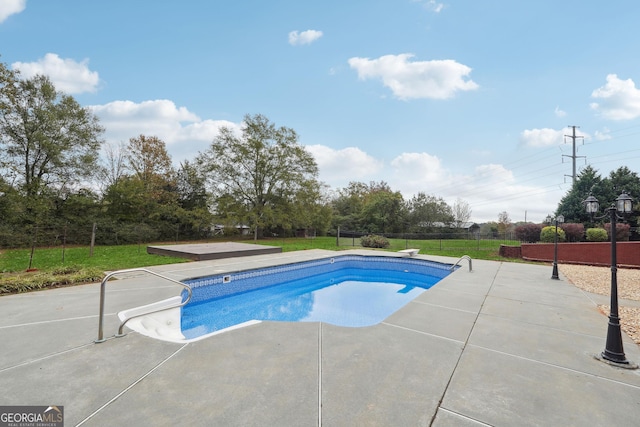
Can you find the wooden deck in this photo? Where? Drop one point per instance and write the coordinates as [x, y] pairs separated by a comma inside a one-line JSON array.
[[208, 251]]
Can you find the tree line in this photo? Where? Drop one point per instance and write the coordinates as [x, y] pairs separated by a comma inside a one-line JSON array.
[[606, 189], [59, 181]]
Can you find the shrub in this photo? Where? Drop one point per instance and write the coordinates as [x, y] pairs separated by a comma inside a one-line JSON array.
[[49, 279], [547, 234], [374, 241], [622, 231], [529, 232], [596, 235], [573, 231]]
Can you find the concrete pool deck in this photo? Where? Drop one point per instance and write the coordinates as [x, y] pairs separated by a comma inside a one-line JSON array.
[[503, 345]]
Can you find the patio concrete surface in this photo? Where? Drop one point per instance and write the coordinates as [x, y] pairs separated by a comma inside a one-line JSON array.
[[503, 345]]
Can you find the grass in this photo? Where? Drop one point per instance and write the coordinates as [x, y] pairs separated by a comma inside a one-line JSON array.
[[104, 257], [49, 269], [477, 249]]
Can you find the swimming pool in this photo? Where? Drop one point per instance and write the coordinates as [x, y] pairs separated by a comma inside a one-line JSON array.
[[349, 290]]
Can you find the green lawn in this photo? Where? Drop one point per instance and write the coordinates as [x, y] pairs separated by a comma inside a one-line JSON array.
[[477, 249], [78, 266], [50, 270], [104, 257], [130, 256]]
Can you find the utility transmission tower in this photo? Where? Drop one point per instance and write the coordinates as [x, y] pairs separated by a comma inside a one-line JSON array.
[[574, 156]]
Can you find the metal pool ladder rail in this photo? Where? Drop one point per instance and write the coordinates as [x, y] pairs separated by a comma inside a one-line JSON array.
[[467, 257], [133, 270]]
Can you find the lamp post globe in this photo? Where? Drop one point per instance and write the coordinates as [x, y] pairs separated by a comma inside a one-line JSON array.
[[624, 203], [591, 205]]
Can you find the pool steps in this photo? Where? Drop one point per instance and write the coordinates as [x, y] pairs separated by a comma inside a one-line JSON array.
[[103, 286], [163, 322]]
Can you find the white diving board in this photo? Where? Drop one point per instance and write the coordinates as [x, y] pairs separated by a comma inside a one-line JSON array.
[[410, 252]]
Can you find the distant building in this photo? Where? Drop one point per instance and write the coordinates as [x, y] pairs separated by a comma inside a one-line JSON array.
[[218, 229], [466, 226]]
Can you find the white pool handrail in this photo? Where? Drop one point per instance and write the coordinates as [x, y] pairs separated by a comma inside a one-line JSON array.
[[133, 270], [467, 257]]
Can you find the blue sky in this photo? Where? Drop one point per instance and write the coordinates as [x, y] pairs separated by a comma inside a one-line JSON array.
[[459, 99]]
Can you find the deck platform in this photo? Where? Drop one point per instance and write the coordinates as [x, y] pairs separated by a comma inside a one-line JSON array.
[[209, 251]]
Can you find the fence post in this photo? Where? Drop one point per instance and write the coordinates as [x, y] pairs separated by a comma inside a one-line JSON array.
[[33, 247], [93, 239], [64, 241]]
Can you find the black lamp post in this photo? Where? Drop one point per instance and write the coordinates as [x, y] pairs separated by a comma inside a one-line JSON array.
[[558, 219], [613, 352]]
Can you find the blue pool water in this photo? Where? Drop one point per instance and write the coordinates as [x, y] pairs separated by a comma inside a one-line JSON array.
[[347, 295]]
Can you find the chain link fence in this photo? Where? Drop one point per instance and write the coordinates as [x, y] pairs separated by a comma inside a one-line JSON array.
[[441, 241]]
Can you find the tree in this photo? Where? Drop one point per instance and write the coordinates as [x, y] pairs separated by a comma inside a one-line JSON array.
[[48, 142], [148, 159], [347, 206], [191, 187], [260, 170], [606, 190], [461, 212], [125, 201], [74, 214], [114, 165], [308, 210], [149, 193], [383, 210], [624, 180], [489, 228], [571, 205], [426, 210], [504, 222]]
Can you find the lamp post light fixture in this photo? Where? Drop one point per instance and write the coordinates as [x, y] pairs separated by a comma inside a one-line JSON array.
[[558, 220], [614, 351]]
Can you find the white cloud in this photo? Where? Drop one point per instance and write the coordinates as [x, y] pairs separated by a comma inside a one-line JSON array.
[[493, 174], [492, 189], [434, 6], [10, 7], [489, 188], [620, 99], [541, 137], [67, 75], [305, 37], [436, 79], [183, 131], [559, 113], [339, 167], [602, 135], [416, 172], [431, 5]]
